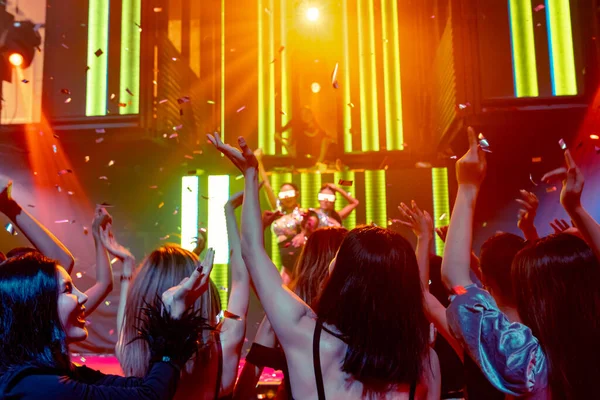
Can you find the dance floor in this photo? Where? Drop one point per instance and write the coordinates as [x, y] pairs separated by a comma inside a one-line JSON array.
[[109, 364]]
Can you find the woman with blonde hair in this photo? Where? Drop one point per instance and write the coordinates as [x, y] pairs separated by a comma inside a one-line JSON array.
[[211, 374]]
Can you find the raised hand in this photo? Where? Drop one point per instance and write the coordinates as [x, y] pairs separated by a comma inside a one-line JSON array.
[[101, 219], [419, 221], [572, 181], [442, 232], [526, 216], [235, 200], [471, 168], [559, 225], [179, 298], [112, 246], [244, 160], [6, 194], [269, 217]]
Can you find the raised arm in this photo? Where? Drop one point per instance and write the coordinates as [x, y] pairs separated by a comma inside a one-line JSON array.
[[233, 327], [283, 308], [421, 224], [104, 277], [265, 178], [526, 216], [116, 250], [470, 171], [352, 202], [570, 198], [34, 231]]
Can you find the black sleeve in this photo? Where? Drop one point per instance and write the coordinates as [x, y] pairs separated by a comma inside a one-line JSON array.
[[160, 383], [92, 377]]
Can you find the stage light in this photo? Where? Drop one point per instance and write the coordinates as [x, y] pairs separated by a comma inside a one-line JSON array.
[[315, 87], [312, 14], [16, 59]]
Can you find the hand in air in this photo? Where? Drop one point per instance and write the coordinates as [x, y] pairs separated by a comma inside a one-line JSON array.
[[6, 194], [101, 221], [471, 168], [442, 232], [526, 216], [419, 221], [244, 160], [572, 181], [179, 298], [269, 217], [559, 225], [112, 246]]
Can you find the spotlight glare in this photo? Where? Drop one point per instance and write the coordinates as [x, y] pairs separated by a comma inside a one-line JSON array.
[[15, 59], [315, 87], [312, 14]]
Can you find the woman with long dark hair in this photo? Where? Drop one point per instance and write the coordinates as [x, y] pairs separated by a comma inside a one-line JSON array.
[[368, 332], [41, 312]]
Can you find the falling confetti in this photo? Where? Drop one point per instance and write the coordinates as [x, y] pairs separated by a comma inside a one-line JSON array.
[[100, 130], [98, 52], [62, 221], [85, 230], [531, 179], [162, 203], [111, 163], [210, 102], [54, 149], [184, 99], [594, 136], [153, 187], [163, 101], [551, 189], [67, 101], [79, 275], [70, 193], [334, 76], [87, 158], [443, 216], [111, 332], [107, 302], [483, 143], [423, 164], [64, 172], [10, 228], [536, 159], [65, 91], [25, 81], [539, 7], [242, 108], [351, 105], [103, 178], [342, 182], [157, 9], [58, 188], [562, 144], [129, 91], [188, 157], [100, 140]]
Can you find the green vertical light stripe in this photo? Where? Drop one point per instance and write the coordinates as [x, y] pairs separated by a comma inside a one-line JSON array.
[[350, 221], [276, 181], [310, 183], [441, 203], [346, 71], [218, 194], [262, 137], [190, 187], [130, 56], [286, 104], [368, 80], [97, 75], [223, 116], [562, 58], [375, 197], [270, 144], [391, 71], [523, 48]]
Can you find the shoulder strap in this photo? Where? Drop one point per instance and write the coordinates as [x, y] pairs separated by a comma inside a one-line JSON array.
[[413, 390], [317, 360], [220, 364]]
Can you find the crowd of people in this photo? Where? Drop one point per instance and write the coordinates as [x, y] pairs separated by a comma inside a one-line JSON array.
[[354, 314]]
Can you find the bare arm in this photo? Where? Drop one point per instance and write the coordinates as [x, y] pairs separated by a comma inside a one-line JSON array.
[[34, 231], [283, 308], [233, 329], [526, 216], [470, 171], [352, 202], [104, 277], [265, 178]]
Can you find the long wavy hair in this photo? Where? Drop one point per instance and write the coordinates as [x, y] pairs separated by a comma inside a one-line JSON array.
[[312, 267], [164, 268], [374, 298], [558, 296], [30, 330]]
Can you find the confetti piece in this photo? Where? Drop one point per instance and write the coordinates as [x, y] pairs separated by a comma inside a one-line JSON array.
[[189, 189], [70, 193], [111, 332], [163, 101], [111, 163], [173, 135], [100, 140], [551, 189], [188, 157], [122, 104], [100, 130], [114, 260], [78, 275], [107, 302], [531, 179], [442, 216], [463, 106], [536, 159], [65, 46], [281, 49], [205, 197], [282, 112], [157, 9], [113, 96], [25, 81], [178, 127], [165, 237], [539, 7], [342, 182], [351, 105], [210, 102], [184, 99], [562, 144], [98, 52], [54, 149], [153, 187], [82, 359], [104, 178], [61, 221], [423, 164], [67, 101], [129, 91], [176, 211], [87, 158], [58, 188], [162, 203], [10, 229], [64, 172], [65, 91], [30, 205], [594, 136], [197, 152], [56, 136], [242, 108], [334, 75]]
